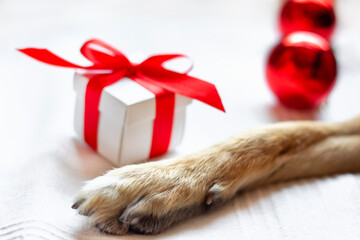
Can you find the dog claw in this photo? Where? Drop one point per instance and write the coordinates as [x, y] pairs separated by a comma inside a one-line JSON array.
[[77, 204], [209, 199], [135, 221]]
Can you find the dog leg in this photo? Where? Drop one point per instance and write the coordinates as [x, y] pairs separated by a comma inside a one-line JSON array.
[[148, 198]]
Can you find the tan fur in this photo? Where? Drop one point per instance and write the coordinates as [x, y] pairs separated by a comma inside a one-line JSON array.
[[150, 197]]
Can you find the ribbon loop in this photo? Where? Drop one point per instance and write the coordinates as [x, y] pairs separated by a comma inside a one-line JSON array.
[[103, 55], [158, 61]]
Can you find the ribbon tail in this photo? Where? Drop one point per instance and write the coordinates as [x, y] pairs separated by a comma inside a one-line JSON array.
[[45, 56], [205, 92], [187, 86]]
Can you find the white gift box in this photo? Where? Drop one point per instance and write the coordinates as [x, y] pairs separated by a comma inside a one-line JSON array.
[[127, 113]]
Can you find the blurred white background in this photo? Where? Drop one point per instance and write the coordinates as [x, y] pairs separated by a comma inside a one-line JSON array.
[[228, 41]]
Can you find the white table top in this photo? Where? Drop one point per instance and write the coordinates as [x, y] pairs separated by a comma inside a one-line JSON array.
[[43, 165]]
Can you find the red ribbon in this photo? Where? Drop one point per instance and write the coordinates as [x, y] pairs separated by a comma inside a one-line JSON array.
[[150, 74]]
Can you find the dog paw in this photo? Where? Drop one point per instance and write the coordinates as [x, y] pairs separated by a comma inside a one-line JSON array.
[[146, 198]]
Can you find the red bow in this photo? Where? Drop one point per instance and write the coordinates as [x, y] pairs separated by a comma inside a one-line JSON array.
[[149, 74]]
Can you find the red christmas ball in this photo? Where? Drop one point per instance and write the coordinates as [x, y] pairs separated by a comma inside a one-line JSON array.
[[315, 16], [301, 70]]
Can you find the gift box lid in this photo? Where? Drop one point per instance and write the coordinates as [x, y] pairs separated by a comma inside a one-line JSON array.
[[126, 98]]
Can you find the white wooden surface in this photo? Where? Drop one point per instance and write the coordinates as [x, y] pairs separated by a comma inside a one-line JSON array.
[[43, 165]]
